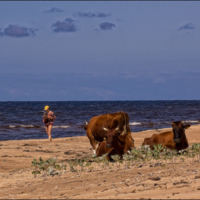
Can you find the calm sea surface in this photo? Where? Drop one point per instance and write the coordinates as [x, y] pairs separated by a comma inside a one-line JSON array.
[[23, 120]]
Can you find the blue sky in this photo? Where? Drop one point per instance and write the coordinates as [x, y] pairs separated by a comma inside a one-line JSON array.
[[101, 50]]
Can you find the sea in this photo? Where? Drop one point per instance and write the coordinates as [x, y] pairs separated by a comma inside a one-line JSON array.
[[24, 120]]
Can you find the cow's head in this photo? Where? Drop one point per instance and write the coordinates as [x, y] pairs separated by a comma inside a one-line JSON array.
[[179, 130], [111, 133]]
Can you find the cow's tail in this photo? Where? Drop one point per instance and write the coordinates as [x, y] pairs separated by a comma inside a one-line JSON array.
[[126, 123], [85, 127]]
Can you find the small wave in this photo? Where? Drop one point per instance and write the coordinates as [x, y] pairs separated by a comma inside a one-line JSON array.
[[191, 121], [12, 126], [134, 123], [26, 126], [32, 126], [23, 126], [61, 126]]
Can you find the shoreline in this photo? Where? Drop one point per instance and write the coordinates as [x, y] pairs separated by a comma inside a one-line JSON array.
[[40, 139]]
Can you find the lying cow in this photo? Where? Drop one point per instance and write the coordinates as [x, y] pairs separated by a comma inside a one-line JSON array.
[[175, 139], [95, 131], [115, 143]]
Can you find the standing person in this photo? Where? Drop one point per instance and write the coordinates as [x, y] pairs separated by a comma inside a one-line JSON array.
[[48, 120]]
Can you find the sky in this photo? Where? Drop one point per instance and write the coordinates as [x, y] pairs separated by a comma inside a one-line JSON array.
[[99, 50]]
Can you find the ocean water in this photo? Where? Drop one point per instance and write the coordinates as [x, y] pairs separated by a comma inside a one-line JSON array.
[[23, 120]]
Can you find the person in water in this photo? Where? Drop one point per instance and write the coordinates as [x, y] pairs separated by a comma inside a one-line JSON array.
[[48, 120]]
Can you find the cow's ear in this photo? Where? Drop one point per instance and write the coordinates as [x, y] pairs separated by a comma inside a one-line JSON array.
[[186, 126], [172, 124]]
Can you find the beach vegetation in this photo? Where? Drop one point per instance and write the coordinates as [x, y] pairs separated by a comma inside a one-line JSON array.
[[143, 156]]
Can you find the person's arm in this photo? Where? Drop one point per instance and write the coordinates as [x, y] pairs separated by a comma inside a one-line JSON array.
[[45, 116], [52, 116]]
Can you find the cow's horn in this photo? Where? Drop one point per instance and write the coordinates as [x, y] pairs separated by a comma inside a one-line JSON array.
[[105, 129], [86, 122], [117, 129]]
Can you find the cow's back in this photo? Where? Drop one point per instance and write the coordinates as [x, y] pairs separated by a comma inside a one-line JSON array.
[[96, 124], [165, 138]]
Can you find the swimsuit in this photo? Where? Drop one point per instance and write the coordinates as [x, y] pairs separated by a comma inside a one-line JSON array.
[[48, 122]]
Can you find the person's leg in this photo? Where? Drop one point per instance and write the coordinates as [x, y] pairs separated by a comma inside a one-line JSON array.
[[49, 132], [46, 129]]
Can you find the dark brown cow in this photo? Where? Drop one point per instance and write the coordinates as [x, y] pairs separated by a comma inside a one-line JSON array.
[[116, 143], [175, 139], [95, 131]]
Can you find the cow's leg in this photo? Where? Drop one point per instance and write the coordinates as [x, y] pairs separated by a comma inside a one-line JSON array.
[[102, 149], [126, 149], [98, 149], [96, 142], [94, 147], [129, 144], [92, 141]]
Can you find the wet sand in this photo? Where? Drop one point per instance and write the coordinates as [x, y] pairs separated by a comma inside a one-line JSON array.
[[176, 181]]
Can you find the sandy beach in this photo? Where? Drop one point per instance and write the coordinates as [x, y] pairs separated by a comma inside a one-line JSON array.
[[176, 181]]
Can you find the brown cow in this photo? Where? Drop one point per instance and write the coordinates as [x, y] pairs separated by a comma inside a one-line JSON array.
[[95, 131], [175, 139], [116, 143]]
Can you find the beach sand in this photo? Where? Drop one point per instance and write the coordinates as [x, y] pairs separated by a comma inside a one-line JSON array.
[[177, 181]]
